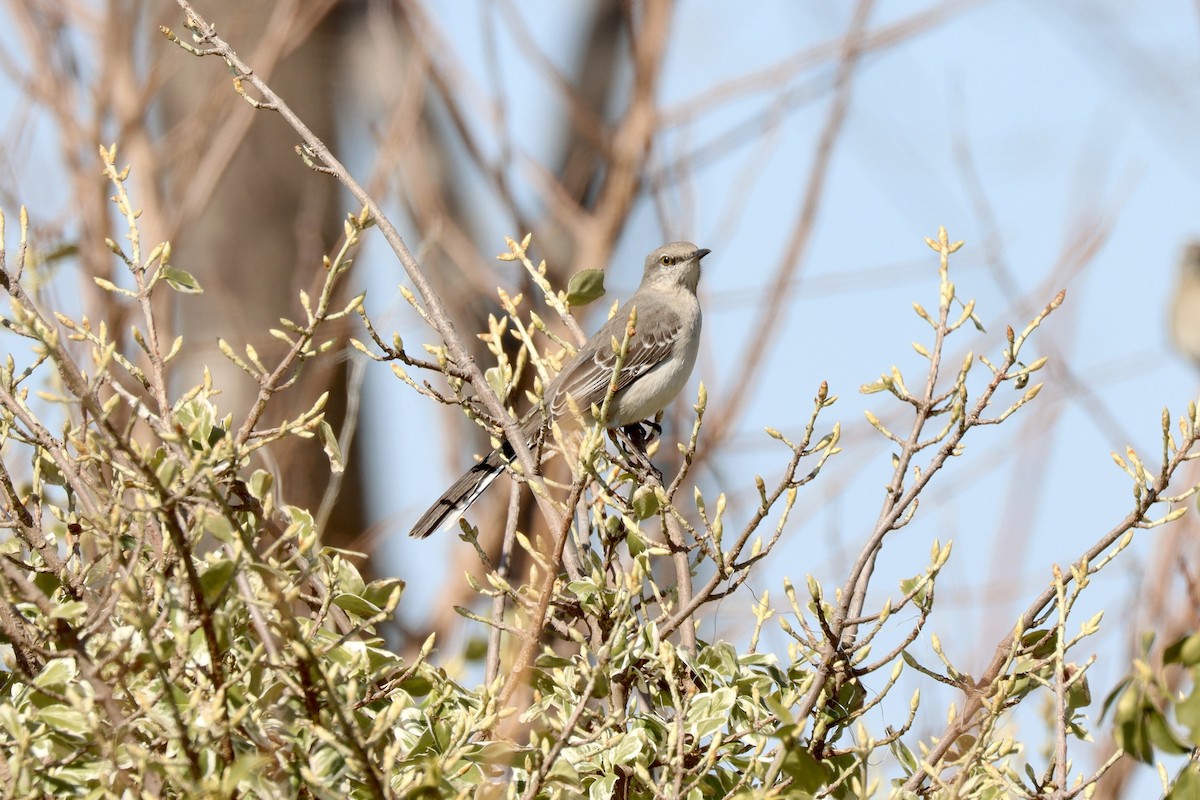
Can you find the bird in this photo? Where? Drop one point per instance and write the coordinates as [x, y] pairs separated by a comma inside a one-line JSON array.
[[657, 365]]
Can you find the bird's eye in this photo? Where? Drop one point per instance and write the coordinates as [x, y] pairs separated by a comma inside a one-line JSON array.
[[665, 260]]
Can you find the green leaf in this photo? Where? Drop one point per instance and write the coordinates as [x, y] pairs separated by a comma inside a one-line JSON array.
[[1163, 736], [1112, 697], [166, 468], [905, 757], [645, 502], [1186, 785], [1130, 728], [1040, 643], [1185, 651], [1080, 694], [585, 286], [215, 579], [709, 712], [326, 763], [808, 774], [355, 605], [586, 591], [908, 584], [197, 417], [380, 592], [69, 610], [495, 380], [332, 449], [783, 711], [496, 753], [627, 750], [57, 672], [64, 718], [181, 280], [603, 788], [219, 526], [476, 649], [850, 700], [49, 470], [243, 769], [12, 722], [260, 484], [1187, 711], [417, 686]]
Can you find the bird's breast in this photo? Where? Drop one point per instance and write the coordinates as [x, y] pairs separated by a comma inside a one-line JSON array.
[[652, 392]]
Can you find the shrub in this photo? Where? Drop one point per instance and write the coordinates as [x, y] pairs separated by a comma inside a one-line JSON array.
[[172, 629]]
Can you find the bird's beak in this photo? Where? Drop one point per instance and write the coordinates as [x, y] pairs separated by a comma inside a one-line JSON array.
[[702, 252]]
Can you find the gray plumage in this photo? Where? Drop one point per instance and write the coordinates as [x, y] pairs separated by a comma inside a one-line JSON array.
[[657, 366]]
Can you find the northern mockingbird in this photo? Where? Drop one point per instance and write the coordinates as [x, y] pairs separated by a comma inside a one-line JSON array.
[[657, 365]]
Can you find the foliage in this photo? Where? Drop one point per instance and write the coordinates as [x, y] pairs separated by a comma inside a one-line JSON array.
[[173, 629], [1151, 718]]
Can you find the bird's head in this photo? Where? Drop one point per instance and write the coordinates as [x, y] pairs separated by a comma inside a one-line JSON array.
[[675, 264]]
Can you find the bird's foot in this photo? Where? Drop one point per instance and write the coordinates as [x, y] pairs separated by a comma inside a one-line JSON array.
[[632, 440]]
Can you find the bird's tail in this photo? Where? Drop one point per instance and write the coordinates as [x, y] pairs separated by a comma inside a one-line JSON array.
[[458, 498]]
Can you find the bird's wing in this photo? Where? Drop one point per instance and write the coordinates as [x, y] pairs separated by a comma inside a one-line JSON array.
[[587, 377]]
